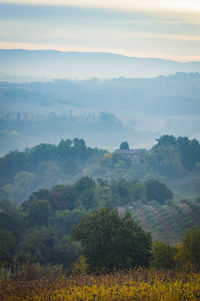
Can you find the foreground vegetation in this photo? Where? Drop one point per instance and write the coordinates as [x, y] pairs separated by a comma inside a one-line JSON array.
[[114, 249], [133, 285], [83, 227]]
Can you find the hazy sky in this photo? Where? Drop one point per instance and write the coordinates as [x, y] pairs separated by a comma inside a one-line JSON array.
[[143, 28]]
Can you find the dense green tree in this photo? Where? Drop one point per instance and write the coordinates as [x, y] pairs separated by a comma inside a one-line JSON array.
[[11, 219], [87, 199], [43, 165], [41, 194], [38, 245], [22, 185], [165, 160], [163, 256], [121, 192], [41, 152], [57, 199], [84, 183], [65, 220], [62, 197], [112, 241], [64, 149], [80, 151], [118, 162], [8, 247], [10, 164], [165, 140], [43, 245], [65, 252], [189, 250], [138, 191], [124, 145], [189, 150], [103, 194], [124, 192], [37, 213], [157, 191]]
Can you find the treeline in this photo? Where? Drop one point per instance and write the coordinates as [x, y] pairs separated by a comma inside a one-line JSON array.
[[22, 129], [170, 158], [45, 165], [172, 154]]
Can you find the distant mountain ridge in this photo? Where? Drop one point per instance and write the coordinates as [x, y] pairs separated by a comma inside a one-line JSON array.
[[82, 65]]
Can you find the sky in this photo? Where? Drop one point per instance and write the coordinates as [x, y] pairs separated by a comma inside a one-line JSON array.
[[168, 29]]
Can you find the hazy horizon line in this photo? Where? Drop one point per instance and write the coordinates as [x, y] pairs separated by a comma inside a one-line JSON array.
[[165, 58]]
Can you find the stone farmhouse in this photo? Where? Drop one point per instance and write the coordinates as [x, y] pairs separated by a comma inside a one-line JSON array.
[[134, 156]]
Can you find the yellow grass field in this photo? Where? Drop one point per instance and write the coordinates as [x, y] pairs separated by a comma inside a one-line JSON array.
[[136, 285]]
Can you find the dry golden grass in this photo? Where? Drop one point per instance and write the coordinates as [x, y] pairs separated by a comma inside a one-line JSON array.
[[137, 285]]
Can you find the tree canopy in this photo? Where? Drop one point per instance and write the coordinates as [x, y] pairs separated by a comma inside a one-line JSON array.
[[157, 191], [189, 250], [112, 241], [124, 145]]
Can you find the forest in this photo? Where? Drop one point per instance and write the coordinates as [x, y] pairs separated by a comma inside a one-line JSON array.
[[171, 160], [40, 230], [47, 190]]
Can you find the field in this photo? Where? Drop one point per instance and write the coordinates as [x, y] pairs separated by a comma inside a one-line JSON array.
[[135, 285], [176, 216]]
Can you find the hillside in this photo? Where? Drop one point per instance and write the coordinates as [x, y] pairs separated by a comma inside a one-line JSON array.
[[172, 160], [56, 64], [74, 177], [136, 110], [167, 222]]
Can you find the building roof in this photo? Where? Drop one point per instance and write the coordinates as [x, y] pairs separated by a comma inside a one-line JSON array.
[[139, 151]]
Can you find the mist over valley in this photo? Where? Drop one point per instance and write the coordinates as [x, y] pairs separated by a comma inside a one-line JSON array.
[[135, 109]]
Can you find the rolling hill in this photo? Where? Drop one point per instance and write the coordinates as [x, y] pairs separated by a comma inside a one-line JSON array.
[[82, 65]]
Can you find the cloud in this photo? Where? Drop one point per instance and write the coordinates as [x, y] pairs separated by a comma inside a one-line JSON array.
[[145, 28], [178, 6], [144, 35]]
